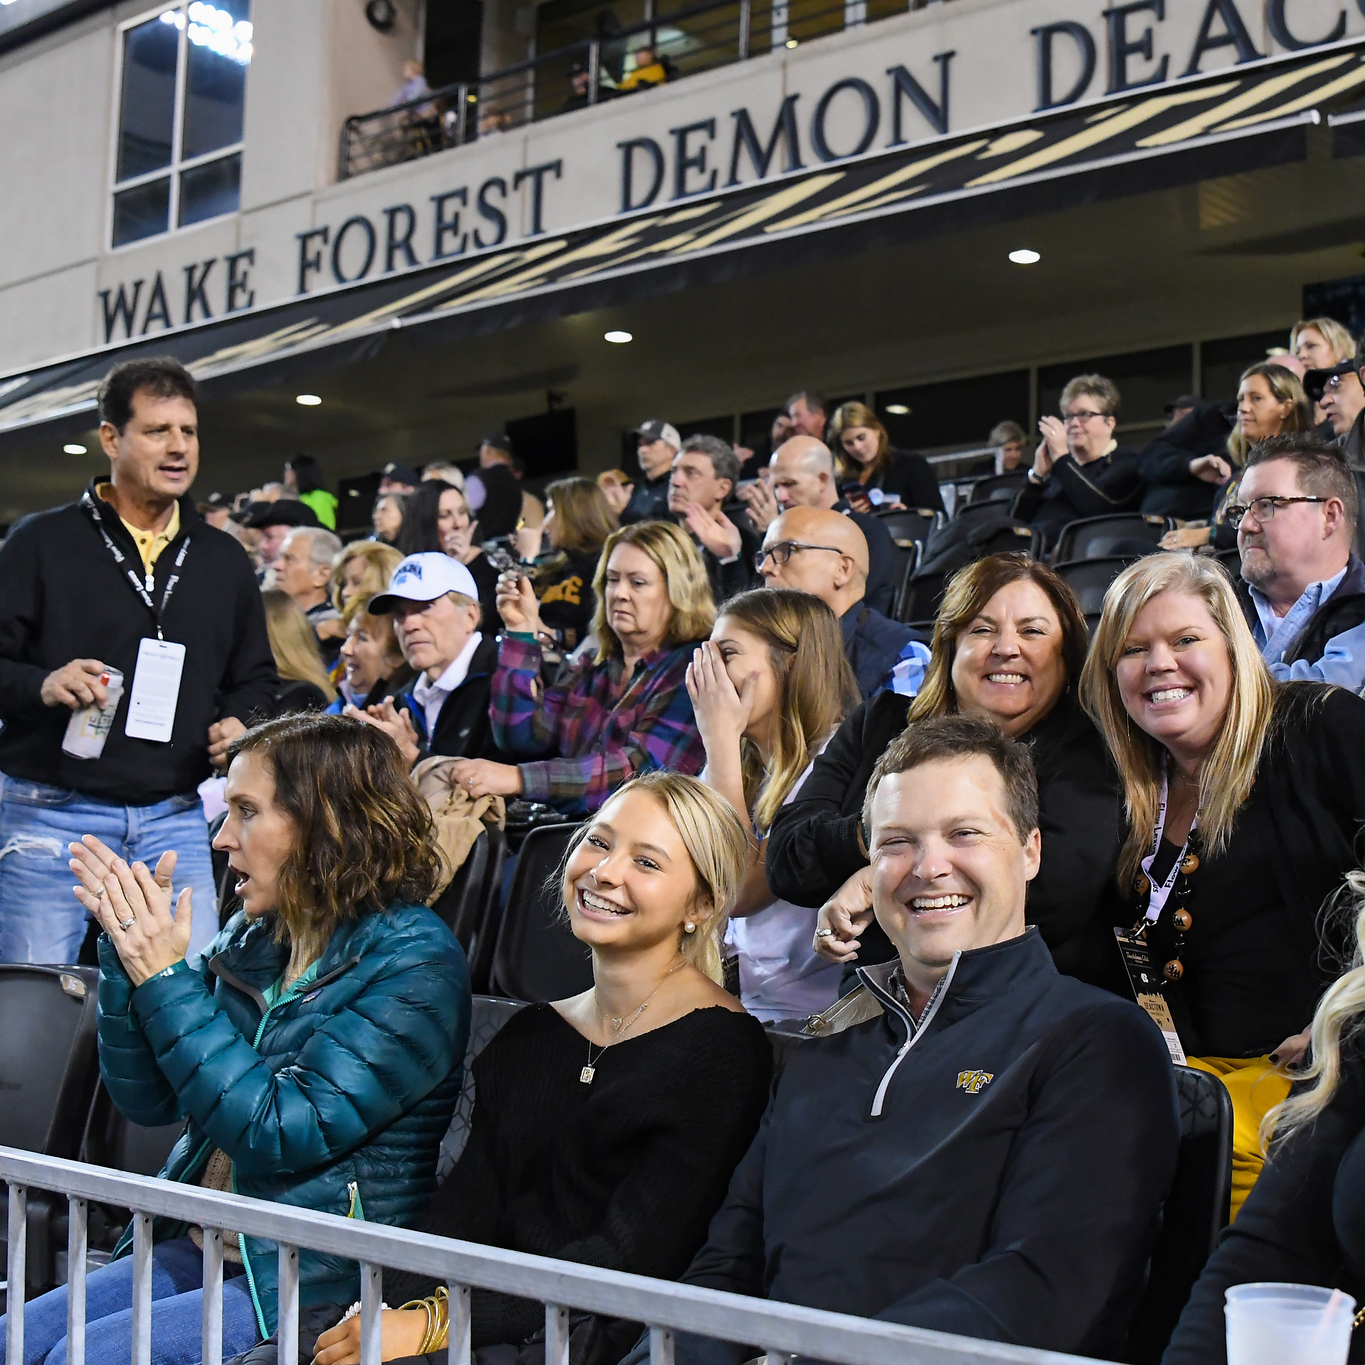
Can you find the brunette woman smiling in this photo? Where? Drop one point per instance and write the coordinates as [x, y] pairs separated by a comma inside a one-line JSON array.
[[606, 1126], [1008, 647]]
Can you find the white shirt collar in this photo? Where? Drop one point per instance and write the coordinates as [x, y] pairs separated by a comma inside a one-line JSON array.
[[430, 696]]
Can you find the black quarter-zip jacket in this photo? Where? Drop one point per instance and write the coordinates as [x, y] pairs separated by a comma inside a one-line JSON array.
[[997, 1173], [63, 597]]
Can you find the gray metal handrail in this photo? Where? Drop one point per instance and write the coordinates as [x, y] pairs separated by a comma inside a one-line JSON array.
[[783, 1329]]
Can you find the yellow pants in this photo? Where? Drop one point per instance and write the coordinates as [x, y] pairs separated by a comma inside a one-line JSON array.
[[1255, 1087]]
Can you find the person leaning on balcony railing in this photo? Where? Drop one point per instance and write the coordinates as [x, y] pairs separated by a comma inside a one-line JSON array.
[[317, 1053]]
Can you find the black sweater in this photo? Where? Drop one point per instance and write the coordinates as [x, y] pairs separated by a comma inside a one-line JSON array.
[[1254, 963], [911, 477], [997, 1173], [1113, 483], [813, 847], [1303, 1223], [1164, 462], [66, 598], [624, 1173]]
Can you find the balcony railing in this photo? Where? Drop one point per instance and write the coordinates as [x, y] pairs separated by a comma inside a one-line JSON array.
[[784, 1330], [683, 42]]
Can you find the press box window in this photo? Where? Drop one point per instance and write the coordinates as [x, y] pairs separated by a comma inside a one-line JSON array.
[[182, 92]]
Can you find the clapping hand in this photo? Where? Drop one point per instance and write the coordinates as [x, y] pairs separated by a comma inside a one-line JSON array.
[[715, 530], [1052, 447], [133, 906], [763, 508], [721, 712], [394, 723]]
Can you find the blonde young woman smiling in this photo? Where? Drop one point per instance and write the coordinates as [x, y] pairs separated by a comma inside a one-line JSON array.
[[1264, 797]]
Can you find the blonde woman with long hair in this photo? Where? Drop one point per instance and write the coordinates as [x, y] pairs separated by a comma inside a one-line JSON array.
[[625, 711], [607, 1125], [769, 689], [1245, 798], [1304, 1223], [298, 660]]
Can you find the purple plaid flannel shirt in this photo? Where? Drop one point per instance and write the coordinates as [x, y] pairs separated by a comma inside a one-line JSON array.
[[602, 727]]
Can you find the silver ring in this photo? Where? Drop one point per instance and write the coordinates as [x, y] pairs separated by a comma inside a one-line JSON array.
[[126, 924], [824, 933]]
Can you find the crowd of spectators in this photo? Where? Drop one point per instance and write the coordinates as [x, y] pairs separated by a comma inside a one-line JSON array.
[[919, 846]]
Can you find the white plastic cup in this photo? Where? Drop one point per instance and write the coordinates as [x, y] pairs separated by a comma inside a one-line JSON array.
[[88, 728], [1288, 1324]]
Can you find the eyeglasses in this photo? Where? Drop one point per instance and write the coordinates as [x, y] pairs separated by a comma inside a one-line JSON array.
[[785, 549], [1070, 417], [1265, 509]]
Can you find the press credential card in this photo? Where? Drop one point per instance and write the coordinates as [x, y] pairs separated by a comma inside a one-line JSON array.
[[156, 689]]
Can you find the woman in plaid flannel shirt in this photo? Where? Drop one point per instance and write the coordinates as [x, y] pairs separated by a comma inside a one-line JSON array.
[[625, 711]]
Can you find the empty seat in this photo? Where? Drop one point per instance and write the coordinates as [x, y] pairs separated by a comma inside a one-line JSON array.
[[1089, 579], [536, 957], [1010, 538], [487, 1014], [911, 525], [1096, 537], [999, 487]]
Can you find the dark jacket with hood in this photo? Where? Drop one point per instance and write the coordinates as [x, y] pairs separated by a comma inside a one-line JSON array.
[[997, 1171], [66, 597], [462, 728], [334, 1098], [813, 847]]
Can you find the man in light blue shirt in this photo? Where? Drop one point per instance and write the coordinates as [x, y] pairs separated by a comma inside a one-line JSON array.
[[1303, 589]]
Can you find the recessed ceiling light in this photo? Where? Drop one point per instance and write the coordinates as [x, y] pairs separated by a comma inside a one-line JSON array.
[[74, 449], [898, 409], [791, 42], [1025, 256], [617, 338], [309, 400]]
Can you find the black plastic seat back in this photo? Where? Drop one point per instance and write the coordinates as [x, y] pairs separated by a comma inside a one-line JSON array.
[[487, 1014], [110, 1140], [49, 1064], [1197, 1210], [969, 511], [1089, 579], [1010, 538], [913, 524], [460, 905], [1231, 560], [1096, 537], [921, 598], [484, 935], [999, 487], [536, 956]]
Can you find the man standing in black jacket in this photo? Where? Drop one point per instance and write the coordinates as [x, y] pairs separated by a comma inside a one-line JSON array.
[[128, 581], [982, 1146]]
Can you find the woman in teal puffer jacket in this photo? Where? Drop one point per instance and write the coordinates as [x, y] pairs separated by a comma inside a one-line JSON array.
[[316, 1049]]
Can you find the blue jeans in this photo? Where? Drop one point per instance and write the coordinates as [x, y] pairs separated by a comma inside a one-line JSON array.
[[40, 919], [177, 1313]]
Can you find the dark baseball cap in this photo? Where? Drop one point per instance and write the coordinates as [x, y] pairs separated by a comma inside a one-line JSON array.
[[1186, 400], [658, 430], [1315, 381], [400, 473], [500, 440], [286, 512]]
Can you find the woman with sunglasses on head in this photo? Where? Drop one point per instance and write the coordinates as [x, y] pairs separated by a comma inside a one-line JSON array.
[[606, 1126], [1008, 647], [1246, 802]]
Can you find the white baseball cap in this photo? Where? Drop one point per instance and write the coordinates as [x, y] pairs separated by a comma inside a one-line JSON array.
[[424, 578]]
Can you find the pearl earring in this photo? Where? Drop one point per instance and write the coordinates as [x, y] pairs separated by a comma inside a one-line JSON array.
[[689, 928]]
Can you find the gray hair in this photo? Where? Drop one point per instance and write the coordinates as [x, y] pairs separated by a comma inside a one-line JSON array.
[[1005, 433], [1103, 391], [724, 461], [323, 546], [281, 491]]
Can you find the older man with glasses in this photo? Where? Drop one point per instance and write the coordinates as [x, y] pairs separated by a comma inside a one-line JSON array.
[[1079, 469], [818, 551], [1302, 586]]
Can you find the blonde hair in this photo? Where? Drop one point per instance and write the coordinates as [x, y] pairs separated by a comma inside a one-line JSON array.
[[294, 643], [1229, 771], [1331, 331], [815, 688], [689, 590], [718, 845], [380, 562], [1285, 387], [846, 417], [1339, 1014], [969, 590]]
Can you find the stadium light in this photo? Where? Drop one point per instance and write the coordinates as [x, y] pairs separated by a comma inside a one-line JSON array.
[[898, 409], [74, 449], [617, 338], [1025, 256], [308, 400]]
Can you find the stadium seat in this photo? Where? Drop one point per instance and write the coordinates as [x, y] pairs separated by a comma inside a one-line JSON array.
[[968, 511], [1010, 538], [913, 525], [1095, 537], [1196, 1212], [910, 561], [487, 1014], [999, 487], [111, 1140], [49, 1068], [461, 904], [484, 927], [921, 598], [1231, 560], [536, 957], [1089, 579]]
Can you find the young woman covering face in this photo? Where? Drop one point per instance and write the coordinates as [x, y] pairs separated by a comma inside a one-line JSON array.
[[607, 1125]]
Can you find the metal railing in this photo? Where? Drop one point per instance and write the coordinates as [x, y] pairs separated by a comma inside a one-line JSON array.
[[783, 1330], [695, 38]]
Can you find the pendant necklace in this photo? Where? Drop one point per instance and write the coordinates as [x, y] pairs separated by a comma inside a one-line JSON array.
[[619, 1026]]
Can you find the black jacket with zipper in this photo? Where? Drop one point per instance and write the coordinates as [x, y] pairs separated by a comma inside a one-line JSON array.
[[462, 728], [66, 598], [997, 1173]]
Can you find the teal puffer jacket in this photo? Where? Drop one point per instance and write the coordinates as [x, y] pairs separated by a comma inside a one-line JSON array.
[[336, 1098]]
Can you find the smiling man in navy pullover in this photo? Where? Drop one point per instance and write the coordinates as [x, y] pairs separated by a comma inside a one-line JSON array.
[[982, 1146]]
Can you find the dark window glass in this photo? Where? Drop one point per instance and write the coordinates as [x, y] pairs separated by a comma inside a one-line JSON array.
[[207, 191], [141, 212], [1147, 381], [953, 413], [1224, 360], [147, 112], [219, 51]]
